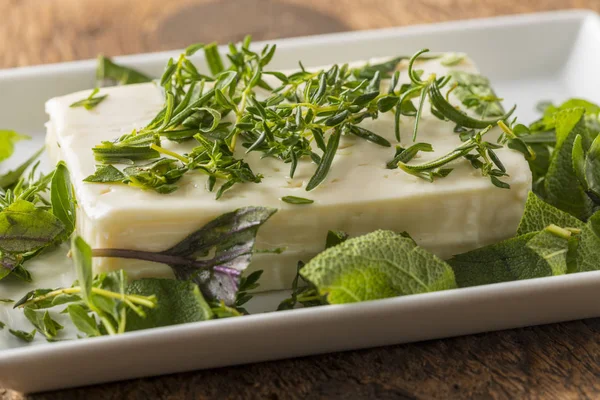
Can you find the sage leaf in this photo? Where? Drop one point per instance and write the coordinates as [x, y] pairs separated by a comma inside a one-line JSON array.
[[539, 214], [179, 302], [533, 255], [375, 266]]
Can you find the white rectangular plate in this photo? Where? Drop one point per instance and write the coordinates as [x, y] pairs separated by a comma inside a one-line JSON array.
[[550, 56]]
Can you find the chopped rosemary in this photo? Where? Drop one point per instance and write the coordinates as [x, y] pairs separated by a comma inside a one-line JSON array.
[[90, 102], [296, 200]]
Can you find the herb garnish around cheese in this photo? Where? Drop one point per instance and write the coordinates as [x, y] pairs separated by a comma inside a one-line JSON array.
[[90, 102], [383, 264], [29, 223], [565, 167], [231, 236], [107, 304]]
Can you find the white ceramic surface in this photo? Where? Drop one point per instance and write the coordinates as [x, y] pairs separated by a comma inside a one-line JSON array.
[[528, 58]]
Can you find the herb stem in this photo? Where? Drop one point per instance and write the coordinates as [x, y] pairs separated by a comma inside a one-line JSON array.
[[162, 150], [147, 301], [558, 231], [158, 257]]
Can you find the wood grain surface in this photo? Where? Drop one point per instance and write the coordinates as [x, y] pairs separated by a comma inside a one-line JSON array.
[[559, 361]]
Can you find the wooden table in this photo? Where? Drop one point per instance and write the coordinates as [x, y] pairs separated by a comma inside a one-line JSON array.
[[552, 361]]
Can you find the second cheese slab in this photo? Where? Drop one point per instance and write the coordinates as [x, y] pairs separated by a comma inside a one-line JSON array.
[[360, 194]]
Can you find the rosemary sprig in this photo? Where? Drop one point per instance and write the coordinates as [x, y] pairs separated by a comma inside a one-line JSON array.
[[480, 154], [283, 122]]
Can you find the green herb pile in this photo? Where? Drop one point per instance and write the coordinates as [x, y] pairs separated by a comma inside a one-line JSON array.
[[302, 118], [559, 232]]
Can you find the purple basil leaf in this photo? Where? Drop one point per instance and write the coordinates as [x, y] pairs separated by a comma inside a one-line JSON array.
[[232, 236]]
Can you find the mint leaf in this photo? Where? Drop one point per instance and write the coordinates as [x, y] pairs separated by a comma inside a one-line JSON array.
[[587, 167], [25, 228], [7, 142], [62, 199], [548, 120], [561, 186], [375, 266], [43, 322], [82, 257], [2, 325], [179, 302], [25, 336], [83, 320]]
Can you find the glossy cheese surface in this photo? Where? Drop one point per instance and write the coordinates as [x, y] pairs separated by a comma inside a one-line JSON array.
[[454, 214]]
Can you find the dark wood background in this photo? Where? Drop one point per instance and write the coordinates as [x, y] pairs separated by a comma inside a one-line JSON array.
[[559, 361]]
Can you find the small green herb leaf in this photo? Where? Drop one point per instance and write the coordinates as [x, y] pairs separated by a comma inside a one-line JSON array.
[[91, 101], [7, 142], [11, 178], [82, 320], [296, 200], [62, 199], [562, 188], [43, 322], [106, 174], [335, 237], [326, 161], [25, 336], [110, 73], [82, 257]]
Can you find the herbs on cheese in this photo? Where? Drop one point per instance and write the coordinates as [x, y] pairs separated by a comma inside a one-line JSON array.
[[303, 117]]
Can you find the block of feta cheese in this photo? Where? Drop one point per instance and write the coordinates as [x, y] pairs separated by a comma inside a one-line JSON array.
[[458, 213]]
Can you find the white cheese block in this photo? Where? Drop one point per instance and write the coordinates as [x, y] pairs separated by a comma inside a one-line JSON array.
[[458, 213]]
